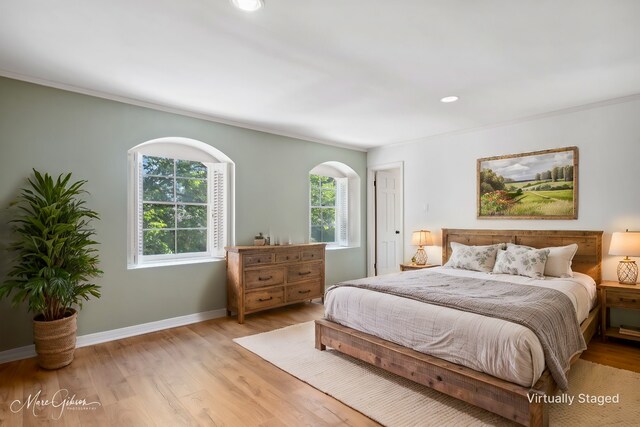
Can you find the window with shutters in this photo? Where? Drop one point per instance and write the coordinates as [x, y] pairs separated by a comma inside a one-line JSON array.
[[180, 207], [328, 218], [334, 205]]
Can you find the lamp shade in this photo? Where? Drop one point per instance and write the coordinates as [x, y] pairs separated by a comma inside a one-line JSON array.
[[625, 244], [421, 238]]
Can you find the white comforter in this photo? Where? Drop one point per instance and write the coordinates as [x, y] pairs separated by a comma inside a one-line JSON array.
[[494, 346]]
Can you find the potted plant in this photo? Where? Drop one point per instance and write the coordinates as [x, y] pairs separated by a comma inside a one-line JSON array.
[[55, 261]]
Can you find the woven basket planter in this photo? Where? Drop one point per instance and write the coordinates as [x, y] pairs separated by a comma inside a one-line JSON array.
[[55, 341]]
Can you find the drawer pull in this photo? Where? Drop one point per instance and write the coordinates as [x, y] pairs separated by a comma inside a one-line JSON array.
[[305, 292], [304, 273], [628, 300], [265, 299], [262, 279]]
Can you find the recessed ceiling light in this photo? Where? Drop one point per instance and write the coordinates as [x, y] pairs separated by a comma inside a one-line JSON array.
[[248, 5], [448, 99]]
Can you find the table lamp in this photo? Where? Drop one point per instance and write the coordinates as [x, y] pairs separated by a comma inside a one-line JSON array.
[[421, 238], [626, 244]]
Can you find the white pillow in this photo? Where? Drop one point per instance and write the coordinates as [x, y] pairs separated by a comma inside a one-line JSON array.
[[476, 258], [521, 261], [559, 260]]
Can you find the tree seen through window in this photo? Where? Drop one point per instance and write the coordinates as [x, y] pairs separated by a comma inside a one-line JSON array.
[[174, 206], [323, 208]]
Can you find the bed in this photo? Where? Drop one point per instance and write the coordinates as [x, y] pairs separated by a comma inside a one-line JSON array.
[[503, 393]]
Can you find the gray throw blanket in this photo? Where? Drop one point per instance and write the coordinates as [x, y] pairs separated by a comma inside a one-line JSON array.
[[547, 312]]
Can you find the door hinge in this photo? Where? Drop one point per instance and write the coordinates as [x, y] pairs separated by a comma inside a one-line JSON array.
[[374, 183]]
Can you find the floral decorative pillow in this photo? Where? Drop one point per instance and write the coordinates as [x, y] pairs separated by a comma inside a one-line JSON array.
[[559, 259], [476, 258], [521, 261]]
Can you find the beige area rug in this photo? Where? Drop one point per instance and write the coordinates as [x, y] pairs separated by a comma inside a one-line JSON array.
[[395, 401]]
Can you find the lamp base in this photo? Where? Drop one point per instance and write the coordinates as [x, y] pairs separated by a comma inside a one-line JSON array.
[[627, 272], [420, 256]]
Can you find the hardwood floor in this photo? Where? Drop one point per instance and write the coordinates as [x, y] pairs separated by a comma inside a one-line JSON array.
[[196, 375], [191, 375], [620, 354]]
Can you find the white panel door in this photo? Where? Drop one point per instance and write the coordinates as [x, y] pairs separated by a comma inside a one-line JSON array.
[[388, 221]]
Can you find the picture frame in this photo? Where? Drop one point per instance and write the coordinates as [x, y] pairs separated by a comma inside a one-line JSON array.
[[533, 185]]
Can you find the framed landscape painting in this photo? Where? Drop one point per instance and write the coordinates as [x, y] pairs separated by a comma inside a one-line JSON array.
[[537, 185]]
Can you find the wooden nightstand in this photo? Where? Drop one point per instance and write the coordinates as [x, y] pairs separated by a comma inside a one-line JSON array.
[[407, 267], [614, 294]]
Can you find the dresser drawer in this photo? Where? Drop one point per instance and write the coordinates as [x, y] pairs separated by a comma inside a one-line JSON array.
[[257, 259], [263, 277], [306, 271], [304, 291], [291, 256], [311, 254], [263, 299], [623, 299]]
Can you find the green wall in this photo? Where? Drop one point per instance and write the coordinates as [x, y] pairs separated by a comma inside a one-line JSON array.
[[57, 131]]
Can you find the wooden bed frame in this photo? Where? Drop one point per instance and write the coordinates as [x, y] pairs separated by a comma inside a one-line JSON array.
[[485, 391]]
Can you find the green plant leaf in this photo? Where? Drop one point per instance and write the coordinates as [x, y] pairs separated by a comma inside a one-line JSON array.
[[53, 246]]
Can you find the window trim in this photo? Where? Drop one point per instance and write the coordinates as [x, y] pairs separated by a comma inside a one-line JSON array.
[[183, 149]]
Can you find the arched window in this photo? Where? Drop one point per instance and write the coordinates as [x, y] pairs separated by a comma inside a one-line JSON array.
[[334, 205], [180, 202]]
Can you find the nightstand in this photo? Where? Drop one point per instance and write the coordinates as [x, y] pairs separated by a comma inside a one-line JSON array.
[[407, 267], [614, 294]]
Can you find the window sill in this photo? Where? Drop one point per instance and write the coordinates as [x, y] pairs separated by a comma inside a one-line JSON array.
[[338, 248], [173, 262]]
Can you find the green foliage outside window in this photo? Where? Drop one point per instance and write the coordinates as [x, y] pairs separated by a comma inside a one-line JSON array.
[[323, 208], [174, 208]]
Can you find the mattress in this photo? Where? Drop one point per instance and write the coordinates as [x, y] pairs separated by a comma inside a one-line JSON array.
[[497, 347]]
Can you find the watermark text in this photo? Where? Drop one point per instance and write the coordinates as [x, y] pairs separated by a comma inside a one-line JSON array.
[[60, 401]]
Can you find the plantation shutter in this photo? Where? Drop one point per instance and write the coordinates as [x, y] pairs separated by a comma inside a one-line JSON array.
[[140, 212], [342, 212], [218, 179]]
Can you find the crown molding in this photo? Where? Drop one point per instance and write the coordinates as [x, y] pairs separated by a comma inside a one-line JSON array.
[[173, 110]]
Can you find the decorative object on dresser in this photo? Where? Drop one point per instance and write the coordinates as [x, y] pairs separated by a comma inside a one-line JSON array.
[[535, 185], [264, 277], [412, 266], [421, 238], [626, 244], [618, 295], [259, 240]]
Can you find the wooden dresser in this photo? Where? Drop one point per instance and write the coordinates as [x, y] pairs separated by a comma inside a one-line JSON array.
[[264, 277]]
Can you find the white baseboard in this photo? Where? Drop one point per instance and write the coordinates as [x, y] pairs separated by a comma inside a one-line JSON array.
[[116, 334], [17, 353]]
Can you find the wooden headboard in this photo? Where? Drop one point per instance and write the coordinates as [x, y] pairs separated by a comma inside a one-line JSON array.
[[588, 259]]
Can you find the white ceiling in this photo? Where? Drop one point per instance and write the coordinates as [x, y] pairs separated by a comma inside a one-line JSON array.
[[361, 73]]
